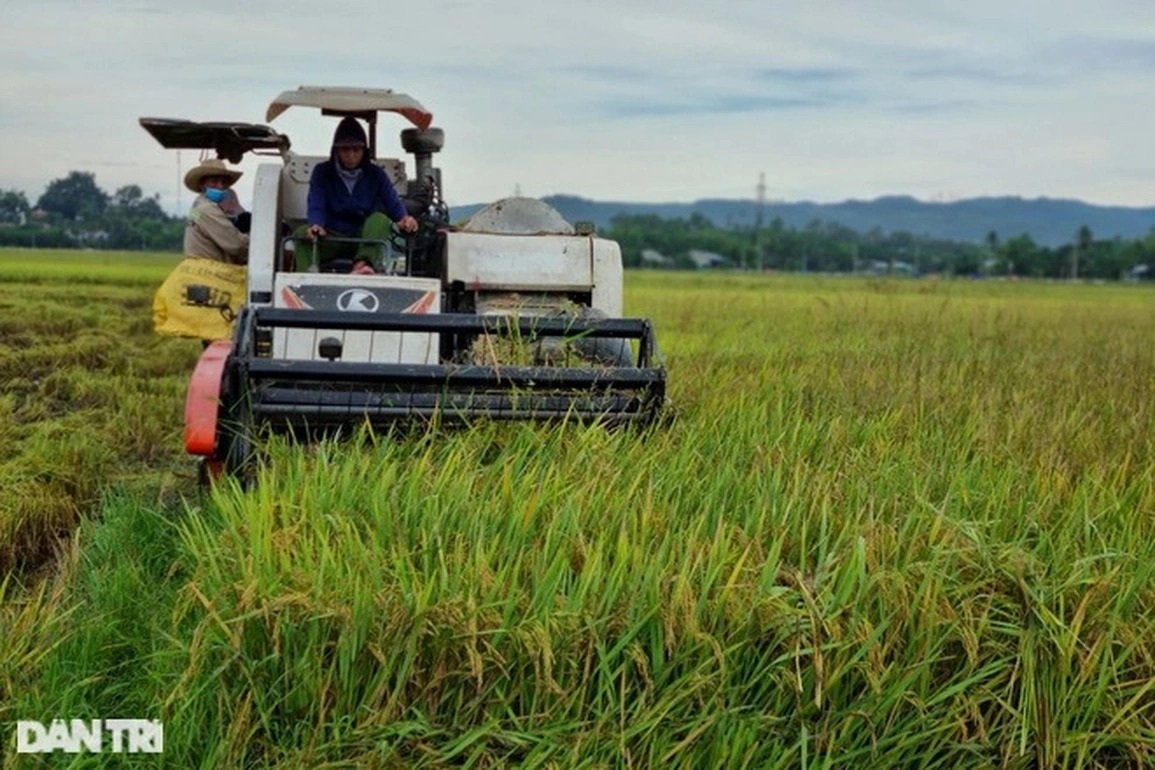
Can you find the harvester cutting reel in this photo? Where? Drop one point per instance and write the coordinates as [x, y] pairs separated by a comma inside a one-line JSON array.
[[240, 394]]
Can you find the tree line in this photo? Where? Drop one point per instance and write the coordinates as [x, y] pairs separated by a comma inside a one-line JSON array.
[[823, 246], [74, 212]]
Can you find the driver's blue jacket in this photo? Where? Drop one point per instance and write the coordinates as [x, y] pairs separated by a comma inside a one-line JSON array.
[[334, 207]]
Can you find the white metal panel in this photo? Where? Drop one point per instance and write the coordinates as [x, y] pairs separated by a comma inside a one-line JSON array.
[[295, 185], [358, 294], [520, 262], [264, 235], [608, 278]]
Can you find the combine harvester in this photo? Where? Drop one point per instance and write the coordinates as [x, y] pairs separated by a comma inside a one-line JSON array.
[[512, 315]]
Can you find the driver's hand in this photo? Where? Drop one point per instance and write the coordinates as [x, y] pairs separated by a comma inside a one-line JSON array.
[[317, 231], [407, 224]]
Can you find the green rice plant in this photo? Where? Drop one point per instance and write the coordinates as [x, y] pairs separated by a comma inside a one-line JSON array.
[[106, 620], [894, 524], [33, 618]]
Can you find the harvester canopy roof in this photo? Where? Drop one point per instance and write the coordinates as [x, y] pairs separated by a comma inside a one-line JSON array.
[[334, 100], [230, 140]]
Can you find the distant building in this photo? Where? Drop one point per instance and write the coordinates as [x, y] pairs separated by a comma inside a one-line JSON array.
[[655, 258], [706, 259], [883, 267]]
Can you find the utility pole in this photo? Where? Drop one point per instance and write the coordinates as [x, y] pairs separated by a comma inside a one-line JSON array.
[[758, 213]]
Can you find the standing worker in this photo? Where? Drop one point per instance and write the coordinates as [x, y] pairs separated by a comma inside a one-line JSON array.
[[212, 230], [202, 296], [350, 196]]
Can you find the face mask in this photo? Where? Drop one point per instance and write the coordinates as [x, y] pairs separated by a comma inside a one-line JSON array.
[[215, 194]]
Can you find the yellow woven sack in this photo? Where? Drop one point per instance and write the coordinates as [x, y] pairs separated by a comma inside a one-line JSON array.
[[206, 312]]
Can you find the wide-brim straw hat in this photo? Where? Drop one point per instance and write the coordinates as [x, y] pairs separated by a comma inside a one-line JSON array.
[[210, 167]]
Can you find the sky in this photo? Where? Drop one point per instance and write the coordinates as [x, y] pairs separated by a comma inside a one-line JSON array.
[[630, 100]]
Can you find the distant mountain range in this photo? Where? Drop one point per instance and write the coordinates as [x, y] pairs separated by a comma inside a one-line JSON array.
[[1049, 221]]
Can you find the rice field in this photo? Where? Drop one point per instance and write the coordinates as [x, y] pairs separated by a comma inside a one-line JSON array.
[[891, 524]]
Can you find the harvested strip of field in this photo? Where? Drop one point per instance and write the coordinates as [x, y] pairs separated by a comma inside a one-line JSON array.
[[88, 393]]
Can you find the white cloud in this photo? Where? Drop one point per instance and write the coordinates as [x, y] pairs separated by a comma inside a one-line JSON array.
[[625, 100]]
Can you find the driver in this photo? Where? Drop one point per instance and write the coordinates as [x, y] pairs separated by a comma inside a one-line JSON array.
[[350, 196]]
